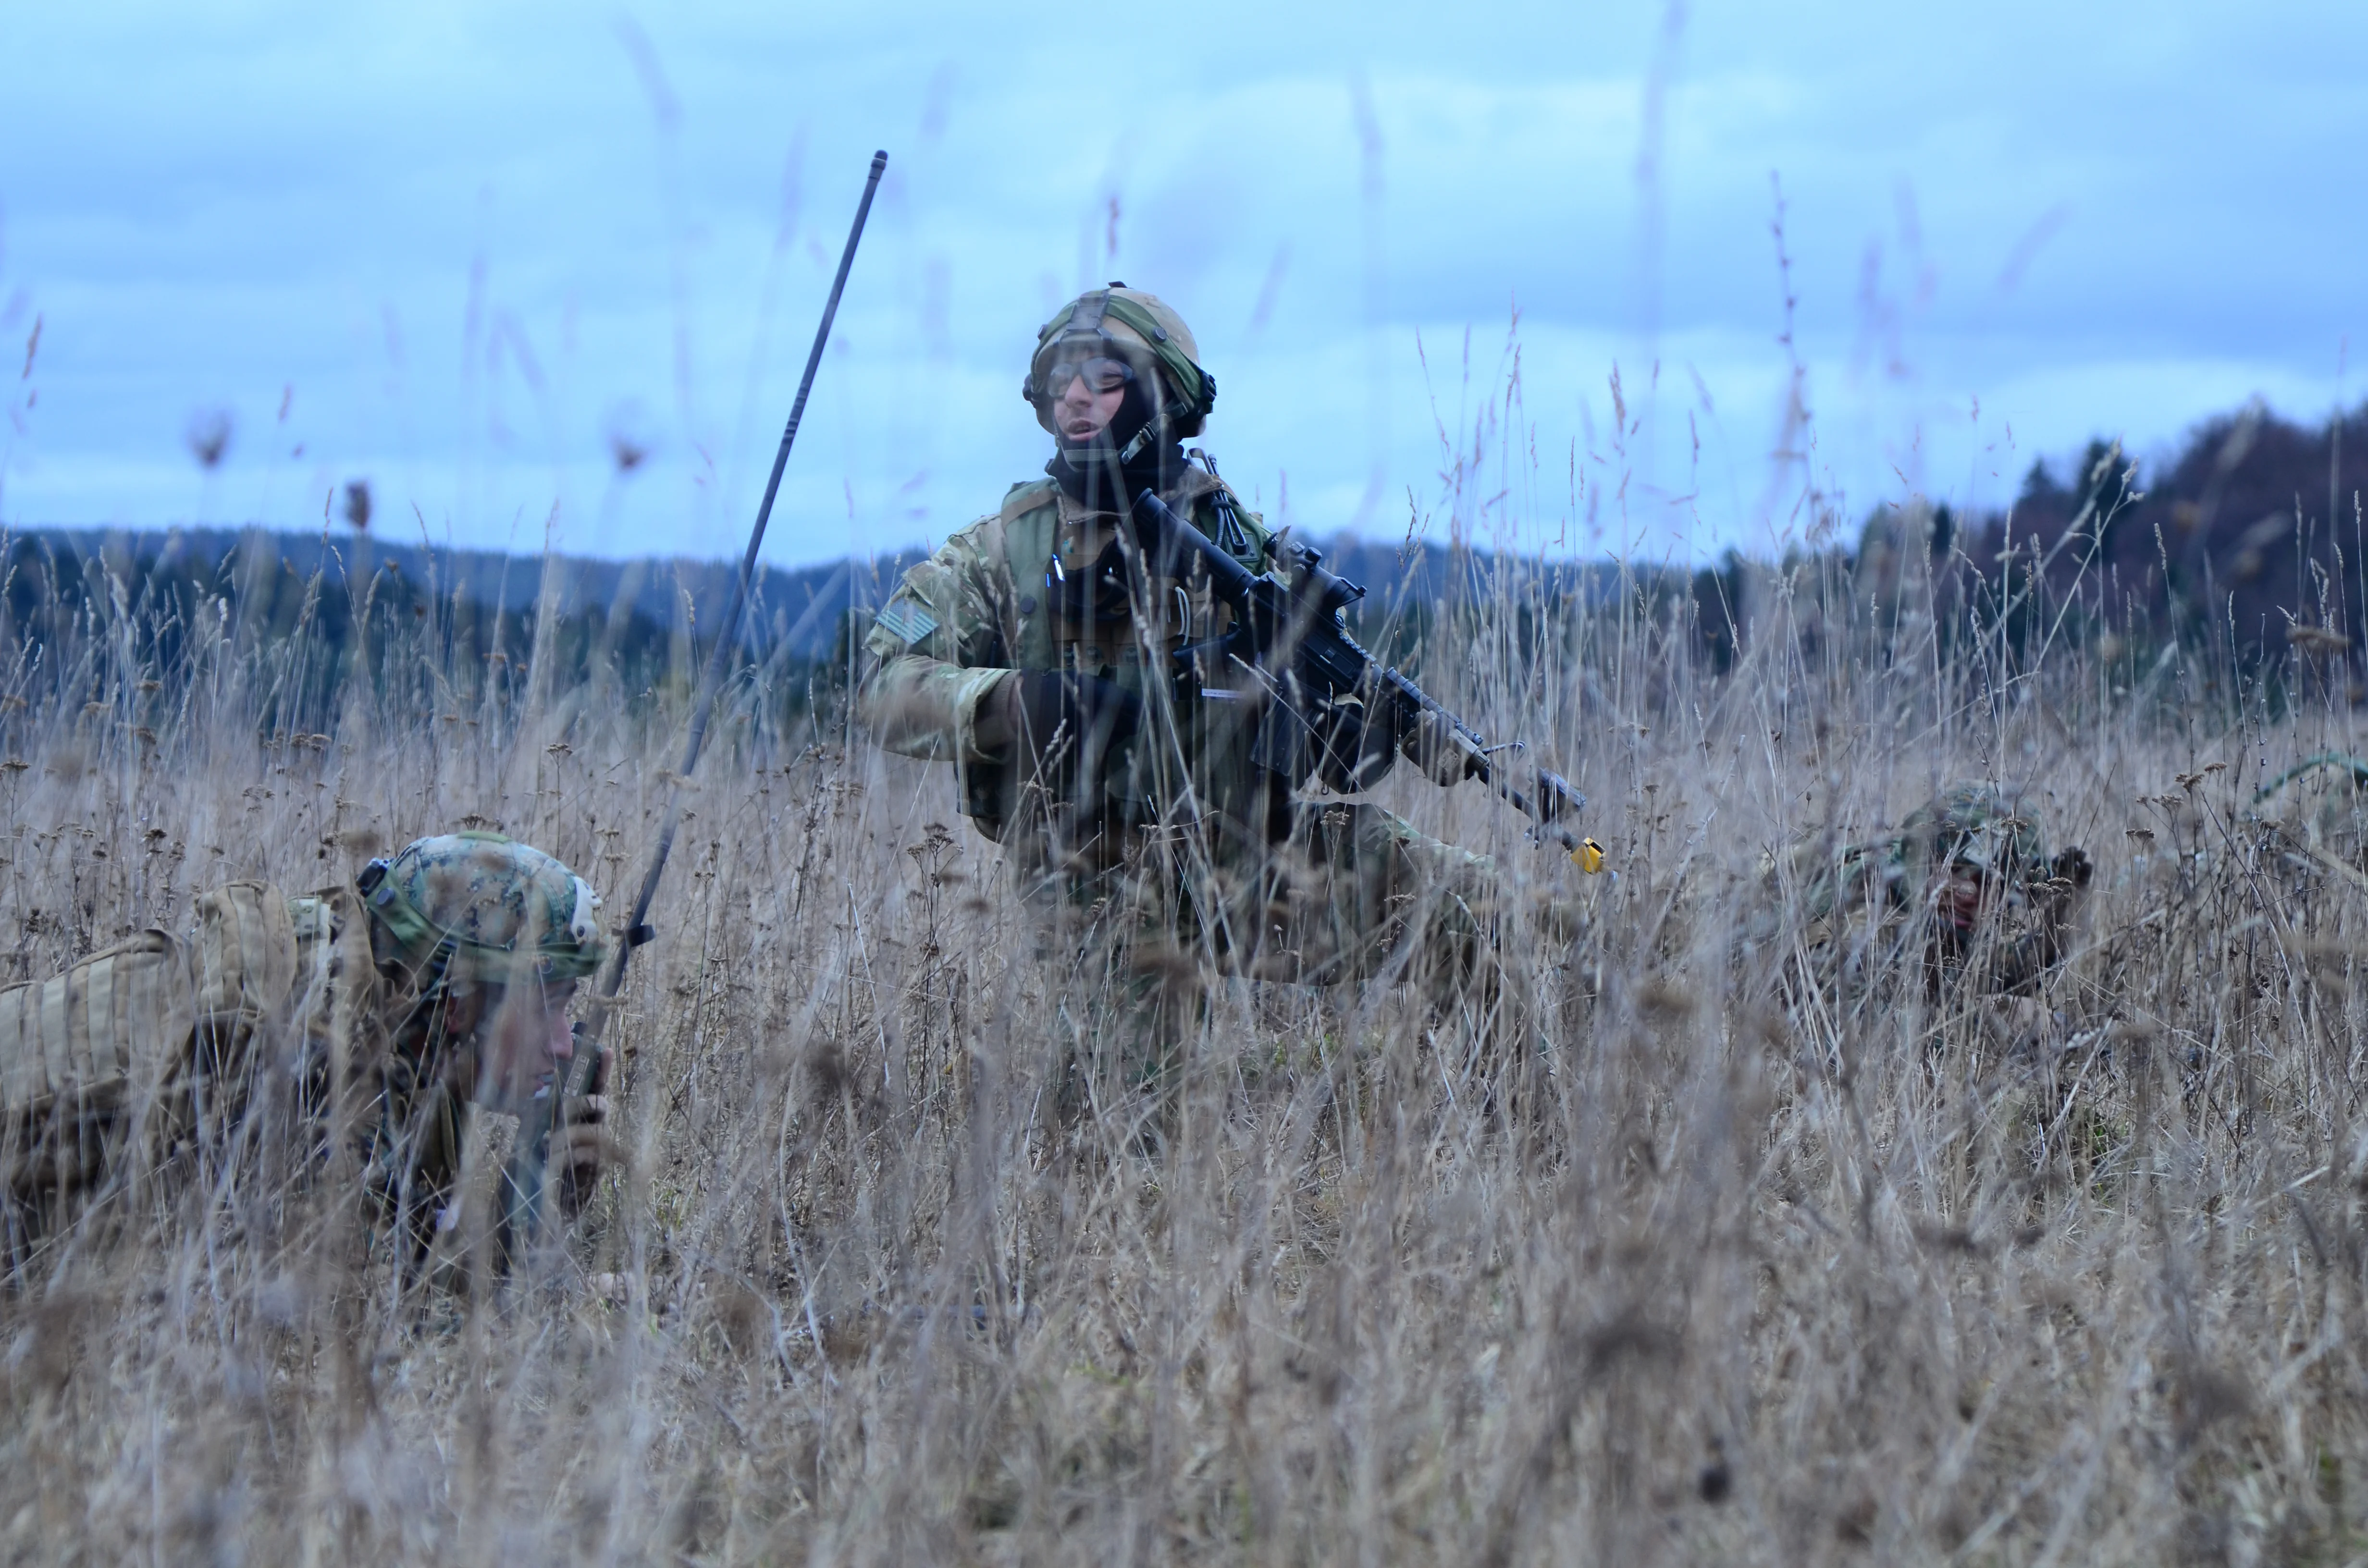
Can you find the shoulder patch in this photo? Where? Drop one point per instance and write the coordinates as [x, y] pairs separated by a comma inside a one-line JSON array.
[[907, 622]]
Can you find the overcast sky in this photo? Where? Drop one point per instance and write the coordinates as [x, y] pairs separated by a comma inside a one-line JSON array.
[[454, 250]]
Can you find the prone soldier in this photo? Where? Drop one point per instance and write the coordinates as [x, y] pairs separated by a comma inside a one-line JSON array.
[[1965, 886], [440, 980]]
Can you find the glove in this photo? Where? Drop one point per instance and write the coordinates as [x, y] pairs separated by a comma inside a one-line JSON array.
[[1057, 718], [580, 1143]]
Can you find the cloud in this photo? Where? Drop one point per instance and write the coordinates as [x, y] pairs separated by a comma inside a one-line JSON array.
[[210, 207]]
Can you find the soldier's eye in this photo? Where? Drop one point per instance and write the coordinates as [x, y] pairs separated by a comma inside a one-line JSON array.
[[1102, 375]]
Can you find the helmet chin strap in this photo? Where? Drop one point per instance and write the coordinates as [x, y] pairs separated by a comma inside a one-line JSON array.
[[1154, 429], [1100, 466]]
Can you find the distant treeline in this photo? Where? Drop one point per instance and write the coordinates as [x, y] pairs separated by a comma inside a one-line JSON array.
[[2248, 542], [481, 619], [268, 575], [354, 604]]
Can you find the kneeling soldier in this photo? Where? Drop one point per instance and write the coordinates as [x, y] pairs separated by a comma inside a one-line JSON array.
[[1036, 650]]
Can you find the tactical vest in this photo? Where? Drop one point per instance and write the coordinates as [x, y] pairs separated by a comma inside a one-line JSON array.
[[1063, 608]]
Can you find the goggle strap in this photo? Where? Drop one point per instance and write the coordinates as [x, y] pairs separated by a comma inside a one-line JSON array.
[[1087, 316]]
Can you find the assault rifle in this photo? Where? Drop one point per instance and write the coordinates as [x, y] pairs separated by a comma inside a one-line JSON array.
[[1332, 710]]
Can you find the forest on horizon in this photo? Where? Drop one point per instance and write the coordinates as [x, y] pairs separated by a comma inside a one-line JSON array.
[[2249, 530]]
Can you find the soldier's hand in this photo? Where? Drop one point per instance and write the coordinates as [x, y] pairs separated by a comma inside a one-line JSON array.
[[581, 1140], [1057, 712]]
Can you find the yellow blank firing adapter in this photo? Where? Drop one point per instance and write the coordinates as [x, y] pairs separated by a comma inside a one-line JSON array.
[[1587, 856]]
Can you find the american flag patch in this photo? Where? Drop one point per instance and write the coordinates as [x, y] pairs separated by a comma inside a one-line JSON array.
[[907, 622]]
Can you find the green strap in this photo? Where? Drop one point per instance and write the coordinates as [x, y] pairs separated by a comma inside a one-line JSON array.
[[2357, 768]]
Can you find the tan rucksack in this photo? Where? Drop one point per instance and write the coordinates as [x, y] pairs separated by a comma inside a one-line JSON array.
[[134, 1046], [85, 1055]]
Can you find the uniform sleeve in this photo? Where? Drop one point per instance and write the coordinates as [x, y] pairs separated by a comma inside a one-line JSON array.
[[938, 651]]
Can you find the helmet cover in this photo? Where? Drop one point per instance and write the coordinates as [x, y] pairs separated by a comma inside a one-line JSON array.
[[1979, 827], [482, 908], [1138, 327]]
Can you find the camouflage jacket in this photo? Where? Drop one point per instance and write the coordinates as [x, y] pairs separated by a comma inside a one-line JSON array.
[[962, 621], [1973, 835]]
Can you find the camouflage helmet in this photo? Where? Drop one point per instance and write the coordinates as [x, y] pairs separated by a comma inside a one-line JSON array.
[[1979, 827], [1138, 327], [482, 908]]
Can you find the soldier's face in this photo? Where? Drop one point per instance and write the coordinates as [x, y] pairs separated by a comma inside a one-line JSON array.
[[1960, 898], [524, 1042], [1965, 895], [1081, 412]]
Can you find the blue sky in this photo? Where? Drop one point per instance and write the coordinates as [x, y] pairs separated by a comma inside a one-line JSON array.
[[453, 249]]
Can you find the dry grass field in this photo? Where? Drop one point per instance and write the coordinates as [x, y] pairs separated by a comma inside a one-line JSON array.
[[1666, 1245]]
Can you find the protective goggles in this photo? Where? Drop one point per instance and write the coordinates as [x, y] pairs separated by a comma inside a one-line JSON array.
[[1102, 374]]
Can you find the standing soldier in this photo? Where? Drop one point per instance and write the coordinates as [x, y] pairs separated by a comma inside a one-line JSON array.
[[1033, 652], [439, 981]]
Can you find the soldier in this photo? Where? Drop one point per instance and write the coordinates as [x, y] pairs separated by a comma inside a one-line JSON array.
[[442, 979], [477, 944], [1967, 881], [1032, 651]]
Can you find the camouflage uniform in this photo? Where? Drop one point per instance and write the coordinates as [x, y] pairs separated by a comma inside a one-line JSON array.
[[140, 1047], [2318, 807], [1966, 882], [1181, 837], [450, 915]]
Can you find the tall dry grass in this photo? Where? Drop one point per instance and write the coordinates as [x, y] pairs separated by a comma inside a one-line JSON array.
[[1669, 1248]]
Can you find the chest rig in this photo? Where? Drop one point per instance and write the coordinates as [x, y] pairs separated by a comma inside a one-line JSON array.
[[1084, 596], [1110, 609], [1113, 609]]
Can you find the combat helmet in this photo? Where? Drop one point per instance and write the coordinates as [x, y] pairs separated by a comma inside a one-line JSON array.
[[1979, 827], [479, 908], [1143, 331]]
